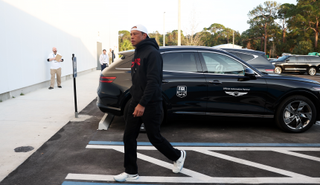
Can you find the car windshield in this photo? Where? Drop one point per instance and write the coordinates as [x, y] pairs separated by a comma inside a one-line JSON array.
[[282, 58]]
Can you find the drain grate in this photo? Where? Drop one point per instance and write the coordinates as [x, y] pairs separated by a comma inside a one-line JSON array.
[[23, 149]]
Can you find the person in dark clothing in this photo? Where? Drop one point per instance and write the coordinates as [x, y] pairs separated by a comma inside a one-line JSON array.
[[113, 56], [146, 105]]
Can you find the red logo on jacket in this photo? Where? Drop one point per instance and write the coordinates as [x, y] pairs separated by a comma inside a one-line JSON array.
[[136, 61]]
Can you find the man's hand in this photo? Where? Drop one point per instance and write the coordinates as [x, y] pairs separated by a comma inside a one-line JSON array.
[[138, 111]]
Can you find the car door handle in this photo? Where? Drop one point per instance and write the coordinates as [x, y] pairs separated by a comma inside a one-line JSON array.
[[215, 82], [165, 81]]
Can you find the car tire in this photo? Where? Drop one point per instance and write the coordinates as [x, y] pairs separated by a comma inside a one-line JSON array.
[[296, 114], [126, 109], [278, 70], [312, 71]]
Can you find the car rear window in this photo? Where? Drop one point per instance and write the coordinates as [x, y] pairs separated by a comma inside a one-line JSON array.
[[245, 57], [179, 62]]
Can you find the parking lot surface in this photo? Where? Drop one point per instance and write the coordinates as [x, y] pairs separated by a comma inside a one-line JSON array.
[[219, 150]]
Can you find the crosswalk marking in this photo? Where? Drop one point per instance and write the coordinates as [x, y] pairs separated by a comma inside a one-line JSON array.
[[180, 180], [196, 177]]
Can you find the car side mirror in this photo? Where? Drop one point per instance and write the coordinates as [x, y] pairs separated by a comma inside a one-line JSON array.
[[287, 60], [249, 73]]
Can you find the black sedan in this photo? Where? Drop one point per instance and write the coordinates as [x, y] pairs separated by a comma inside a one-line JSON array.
[[203, 81]]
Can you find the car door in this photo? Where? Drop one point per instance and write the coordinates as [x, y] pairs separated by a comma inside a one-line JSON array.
[[290, 64], [184, 85], [230, 92]]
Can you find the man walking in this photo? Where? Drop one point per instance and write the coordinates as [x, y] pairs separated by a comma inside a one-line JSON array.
[[146, 105], [55, 67], [104, 59]]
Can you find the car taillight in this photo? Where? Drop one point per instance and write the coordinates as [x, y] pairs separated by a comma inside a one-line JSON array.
[[269, 70], [107, 79]]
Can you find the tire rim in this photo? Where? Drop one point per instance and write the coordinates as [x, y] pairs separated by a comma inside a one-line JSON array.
[[297, 115], [277, 70], [312, 71]]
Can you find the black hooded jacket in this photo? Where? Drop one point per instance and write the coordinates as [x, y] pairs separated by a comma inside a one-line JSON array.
[[146, 73]]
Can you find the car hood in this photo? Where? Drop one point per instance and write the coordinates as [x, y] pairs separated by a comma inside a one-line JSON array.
[[292, 78]]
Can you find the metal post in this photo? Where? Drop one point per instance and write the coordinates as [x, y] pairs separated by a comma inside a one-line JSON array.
[[74, 85], [75, 98], [179, 23], [164, 32]]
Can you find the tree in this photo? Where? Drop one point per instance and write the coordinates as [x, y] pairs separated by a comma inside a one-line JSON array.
[[306, 15], [193, 38], [303, 47], [264, 16], [157, 36], [283, 16], [124, 40], [215, 27]]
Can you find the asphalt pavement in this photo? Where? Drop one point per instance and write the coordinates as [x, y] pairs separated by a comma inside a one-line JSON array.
[[220, 150]]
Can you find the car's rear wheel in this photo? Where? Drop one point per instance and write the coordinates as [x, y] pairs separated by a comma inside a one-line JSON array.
[[126, 110], [296, 114], [278, 70], [312, 71]]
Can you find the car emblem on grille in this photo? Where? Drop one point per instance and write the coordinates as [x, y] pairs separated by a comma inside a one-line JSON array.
[[236, 93], [181, 91]]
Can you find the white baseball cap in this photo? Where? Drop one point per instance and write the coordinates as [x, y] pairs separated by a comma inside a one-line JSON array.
[[140, 27]]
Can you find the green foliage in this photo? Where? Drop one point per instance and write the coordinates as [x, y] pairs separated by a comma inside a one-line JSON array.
[[262, 18], [21, 94], [303, 47], [124, 40], [304, 17]]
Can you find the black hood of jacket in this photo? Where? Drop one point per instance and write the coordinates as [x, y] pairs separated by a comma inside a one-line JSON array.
[[146, 73], [147, 42]]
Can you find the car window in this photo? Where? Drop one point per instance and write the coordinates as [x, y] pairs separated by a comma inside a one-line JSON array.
[[221, 64], [292, 59], [307, 59], [314, 59], [234, 53], [281, 59], [179, 62], [245, 57], [301, 59]]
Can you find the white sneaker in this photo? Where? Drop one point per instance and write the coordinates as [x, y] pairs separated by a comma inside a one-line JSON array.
[[178, 165], [124, 177]]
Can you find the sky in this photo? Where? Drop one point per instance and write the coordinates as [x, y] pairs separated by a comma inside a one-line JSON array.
[[230, 13]]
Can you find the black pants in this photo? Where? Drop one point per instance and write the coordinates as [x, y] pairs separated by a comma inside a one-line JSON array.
[[152, 121], [103, 66]]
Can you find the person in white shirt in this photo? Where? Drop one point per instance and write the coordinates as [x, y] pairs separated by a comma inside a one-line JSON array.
[[104, 59], [55, 68]]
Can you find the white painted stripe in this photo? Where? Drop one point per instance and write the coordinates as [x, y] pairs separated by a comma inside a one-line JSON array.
[[213, 148], [167, 165], [252, 164], [196, 177], [298, 155], [179, 180]]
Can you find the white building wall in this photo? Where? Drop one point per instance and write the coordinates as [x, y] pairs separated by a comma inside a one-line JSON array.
[[30, 28]]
